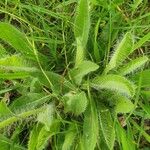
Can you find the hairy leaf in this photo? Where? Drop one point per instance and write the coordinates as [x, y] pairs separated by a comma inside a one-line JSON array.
[[90, 127], [45, 135], [133, 65], [115, 83], [107, 127], [47, 116], [123, 49], [75, 103], [15, 63], [81, 29], [69, 138], [26, 102]]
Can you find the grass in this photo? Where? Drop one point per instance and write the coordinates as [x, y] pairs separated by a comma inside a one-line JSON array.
[[74, 75]]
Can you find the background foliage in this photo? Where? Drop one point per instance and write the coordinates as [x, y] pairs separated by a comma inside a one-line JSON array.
[[74, 75]]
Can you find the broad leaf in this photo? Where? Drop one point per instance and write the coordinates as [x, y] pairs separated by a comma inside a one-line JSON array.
[[90, 127], [81, 29], [115, 83], [45, 135], [75, 102], [15, 63], [123, 105], [107, 127], [69, 137], [60, 84], [47, 116], [26, 102], [4, 110], [83, 69], [123, 49]]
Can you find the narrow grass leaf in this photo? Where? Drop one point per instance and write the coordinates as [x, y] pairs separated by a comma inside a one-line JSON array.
[[147, 136], [141, 41], [7, 144], [13, 118], [123, 139], [144, 76]]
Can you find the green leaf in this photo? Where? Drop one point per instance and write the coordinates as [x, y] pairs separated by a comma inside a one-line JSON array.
[[45, 135], [4, 110], [60, 84], [7, 144], [16, 39], [83, 69], [26, 102], [2, 51], [123, 105], [145, 107], [69, 137], [142, 41], [107, 126], [75, 102], [123, 139], [90, 127], [15, 63], [147, 136], [81, 29], [20, 115], [123, 49], [146, 94], [47, 116], [16, 75], [114, 83], [133, 65], [144, 77], [33, 137]]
